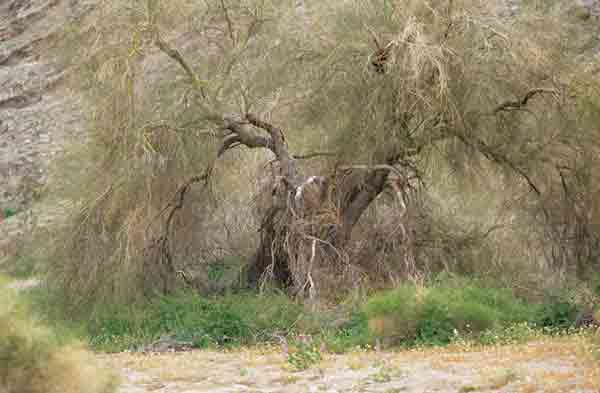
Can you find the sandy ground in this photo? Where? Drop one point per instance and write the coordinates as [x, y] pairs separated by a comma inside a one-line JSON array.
[[550, 366]]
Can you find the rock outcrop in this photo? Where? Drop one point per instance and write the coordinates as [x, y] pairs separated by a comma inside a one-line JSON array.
[[37, 114]]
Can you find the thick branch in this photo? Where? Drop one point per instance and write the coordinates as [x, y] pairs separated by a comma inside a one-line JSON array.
[[369, 190], [279, 147], [242, 136]]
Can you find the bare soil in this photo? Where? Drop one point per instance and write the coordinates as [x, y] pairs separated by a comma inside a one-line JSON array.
[[550, 366]]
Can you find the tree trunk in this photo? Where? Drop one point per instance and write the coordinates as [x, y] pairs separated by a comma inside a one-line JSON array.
[[294, 235], [270, 260]]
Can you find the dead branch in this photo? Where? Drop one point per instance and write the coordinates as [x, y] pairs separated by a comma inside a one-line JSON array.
[[158, 251], [175, 55], [309, 281], [229, 23], [382, 167], [498, 158], [380, 57], [178, 199], [314, 155], [516, 105]]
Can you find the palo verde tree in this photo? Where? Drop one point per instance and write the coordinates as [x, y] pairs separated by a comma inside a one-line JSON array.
[[350, 104]]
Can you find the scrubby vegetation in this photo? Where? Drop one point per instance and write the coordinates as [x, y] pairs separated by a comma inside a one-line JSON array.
[[362, 173], [439, 313], [34, 359], [451, 310], [324, 147]]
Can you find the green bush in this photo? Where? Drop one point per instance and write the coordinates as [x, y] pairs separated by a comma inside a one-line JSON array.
[[304, 355], [223, 321], [35, 359], [265, 314], [435, 320], [193, 317], [556, 313], [351, 335], [8, 212], [394, 314], [438, 313]]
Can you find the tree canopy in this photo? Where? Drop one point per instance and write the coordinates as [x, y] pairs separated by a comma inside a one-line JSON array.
[[324, 145]]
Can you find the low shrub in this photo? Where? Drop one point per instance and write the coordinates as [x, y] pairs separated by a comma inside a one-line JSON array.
[[223, 321], [556, 312], [353, 334], [9, 212], [444, 312], [35, 359], [436, 314], [394, 315], [304, 355]]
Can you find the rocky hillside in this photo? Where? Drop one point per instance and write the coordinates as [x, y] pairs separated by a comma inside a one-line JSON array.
[[36, 113]]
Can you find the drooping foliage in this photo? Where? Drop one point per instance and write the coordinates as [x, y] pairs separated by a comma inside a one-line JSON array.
[[389, 140]]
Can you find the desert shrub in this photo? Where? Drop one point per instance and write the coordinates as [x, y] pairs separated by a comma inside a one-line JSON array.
[[467, 309], [265, 314], [556, 313], [434, 315], [561, 304], [196, 317], [34, 358], [304, 355], [351, 335], [394, 314], [187, 317]]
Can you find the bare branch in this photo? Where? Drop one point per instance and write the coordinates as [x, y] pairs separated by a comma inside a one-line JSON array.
[[498, 158], [175, 55], [179, 198], [163, 126], [516, 105], [382, 167], [229, 23], [313, 155]]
